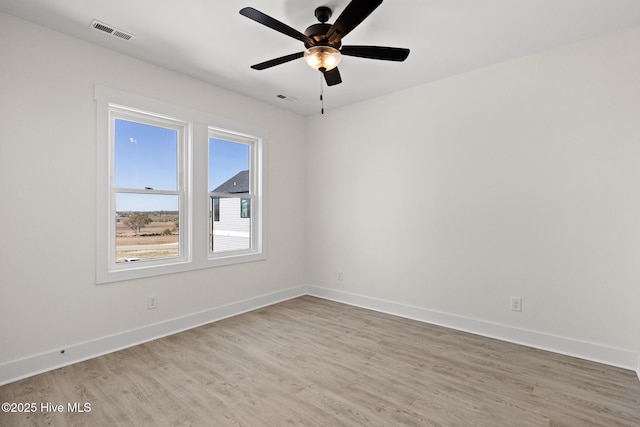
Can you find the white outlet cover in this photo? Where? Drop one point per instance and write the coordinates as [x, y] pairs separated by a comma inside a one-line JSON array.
[[152, 302]]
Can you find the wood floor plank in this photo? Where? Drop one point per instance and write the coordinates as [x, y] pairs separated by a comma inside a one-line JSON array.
[[314, 362]]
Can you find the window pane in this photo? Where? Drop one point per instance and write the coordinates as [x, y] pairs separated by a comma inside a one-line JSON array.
[[227, 160], [229, 173], [146, 227], [231, 232], [145, 156]]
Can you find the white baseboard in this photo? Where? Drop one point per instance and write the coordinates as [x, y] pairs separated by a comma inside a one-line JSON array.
[[33, 365], [621, 358]]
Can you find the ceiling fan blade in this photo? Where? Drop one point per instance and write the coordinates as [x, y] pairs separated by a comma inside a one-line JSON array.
[[277, 61], [376, 52], [332, 77], [351, 17], [274, 24]]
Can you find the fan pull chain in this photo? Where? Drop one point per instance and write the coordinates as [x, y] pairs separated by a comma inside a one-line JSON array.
[[321, 93]]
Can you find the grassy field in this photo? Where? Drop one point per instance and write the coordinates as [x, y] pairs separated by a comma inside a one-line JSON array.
[[150, 242]]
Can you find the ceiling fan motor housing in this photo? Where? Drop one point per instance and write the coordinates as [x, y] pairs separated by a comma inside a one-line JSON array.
[[318, 32]]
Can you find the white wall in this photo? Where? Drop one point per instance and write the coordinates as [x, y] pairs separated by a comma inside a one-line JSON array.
[[522, 179], [48, 295]]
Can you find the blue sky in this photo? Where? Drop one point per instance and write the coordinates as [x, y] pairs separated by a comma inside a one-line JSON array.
[[225, 160], [146, 156]]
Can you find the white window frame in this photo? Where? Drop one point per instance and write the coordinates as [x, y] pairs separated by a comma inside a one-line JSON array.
[[193, 191], [183, 130], [254, 190]]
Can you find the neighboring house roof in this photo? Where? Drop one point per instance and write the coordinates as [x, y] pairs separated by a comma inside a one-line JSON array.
[[239, 183]]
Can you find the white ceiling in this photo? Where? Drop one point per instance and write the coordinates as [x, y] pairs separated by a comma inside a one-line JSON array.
[[211, 41]]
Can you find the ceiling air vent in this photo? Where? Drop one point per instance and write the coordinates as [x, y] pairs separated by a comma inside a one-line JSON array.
[[109, 29]]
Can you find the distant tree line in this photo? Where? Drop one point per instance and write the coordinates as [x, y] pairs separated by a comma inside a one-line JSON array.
[[136, 221]]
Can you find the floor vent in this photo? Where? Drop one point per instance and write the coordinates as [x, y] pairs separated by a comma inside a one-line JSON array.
[[109, 29]]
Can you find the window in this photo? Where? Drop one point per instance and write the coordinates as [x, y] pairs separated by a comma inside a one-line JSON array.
[[216, 208], [231, 179], [177, 189], [149, 187], [245, 208]]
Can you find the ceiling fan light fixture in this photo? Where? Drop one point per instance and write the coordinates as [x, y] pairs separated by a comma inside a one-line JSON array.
[[322, 57]]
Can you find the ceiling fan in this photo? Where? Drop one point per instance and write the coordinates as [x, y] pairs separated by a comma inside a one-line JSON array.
[[323, 41]]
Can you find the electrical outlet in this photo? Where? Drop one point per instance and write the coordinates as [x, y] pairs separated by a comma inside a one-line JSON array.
[[340, 275], [516, 304], [152, 302]]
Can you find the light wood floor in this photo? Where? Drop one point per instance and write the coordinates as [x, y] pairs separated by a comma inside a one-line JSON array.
[[313, 362]]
